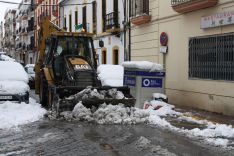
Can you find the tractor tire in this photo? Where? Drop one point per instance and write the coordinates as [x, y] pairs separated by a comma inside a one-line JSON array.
[[43, 92]]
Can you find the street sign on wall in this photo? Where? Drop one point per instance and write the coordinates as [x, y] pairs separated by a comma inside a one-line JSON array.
[[152, 82], [216, 20]]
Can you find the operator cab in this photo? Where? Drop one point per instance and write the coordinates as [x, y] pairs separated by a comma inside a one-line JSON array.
[[69, 52]]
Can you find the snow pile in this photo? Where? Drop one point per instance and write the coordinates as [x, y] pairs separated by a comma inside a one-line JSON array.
[[15, 114], [145, 65], [155, 112], [108, 114], [214, 134], [161, 108], [80, 112], [12, 71], [93, 94], [157, 96], [111, 75]]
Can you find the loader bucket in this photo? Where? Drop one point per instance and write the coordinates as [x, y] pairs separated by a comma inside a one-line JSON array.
[[93, 97]]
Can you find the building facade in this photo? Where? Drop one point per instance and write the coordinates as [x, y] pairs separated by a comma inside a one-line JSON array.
[[194, 41], [200, 58], [44, 8], [143, 30], [10, 32], [104, 18], [1, 36], [25, 33]]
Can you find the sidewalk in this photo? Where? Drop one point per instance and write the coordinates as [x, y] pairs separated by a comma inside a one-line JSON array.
[[205, 115]]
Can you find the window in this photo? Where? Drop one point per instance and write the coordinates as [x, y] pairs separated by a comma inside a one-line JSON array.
[[76, 17], [84, 22], [70, 23], [104, 56], [212, 57], [31, 61], [65, 23], [115, 6], [103, 15], [139, 7], [116, 56], [94, 4]]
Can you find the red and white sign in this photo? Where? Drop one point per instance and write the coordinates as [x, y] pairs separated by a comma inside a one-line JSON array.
[[216, 20]]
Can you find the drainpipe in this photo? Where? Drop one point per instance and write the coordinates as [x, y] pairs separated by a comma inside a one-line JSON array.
[[129, 35], [124, 24]]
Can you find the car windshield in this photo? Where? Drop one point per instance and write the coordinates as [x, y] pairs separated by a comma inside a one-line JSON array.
[[81, 46], [30, 70]]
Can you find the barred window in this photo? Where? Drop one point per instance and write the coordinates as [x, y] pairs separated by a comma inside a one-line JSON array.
[[212, 57], [139, 7]]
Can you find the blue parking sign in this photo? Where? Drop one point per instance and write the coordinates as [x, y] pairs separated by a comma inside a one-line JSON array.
[[152, 82]]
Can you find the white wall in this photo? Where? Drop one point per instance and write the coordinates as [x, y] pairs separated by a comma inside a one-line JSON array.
[[110, 40]]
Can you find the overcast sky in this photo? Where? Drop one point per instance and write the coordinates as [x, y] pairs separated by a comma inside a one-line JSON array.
[[5, 6]]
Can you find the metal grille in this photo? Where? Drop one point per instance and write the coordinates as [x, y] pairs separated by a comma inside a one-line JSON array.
[[212, 57]]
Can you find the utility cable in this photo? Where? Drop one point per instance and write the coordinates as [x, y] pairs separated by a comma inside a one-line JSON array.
[[15, 3]]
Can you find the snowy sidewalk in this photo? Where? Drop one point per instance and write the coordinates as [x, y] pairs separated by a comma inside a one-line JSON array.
[[206, 115], [211, 128]]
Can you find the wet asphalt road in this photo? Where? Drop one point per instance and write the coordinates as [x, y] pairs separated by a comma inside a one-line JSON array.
[[50, 138]]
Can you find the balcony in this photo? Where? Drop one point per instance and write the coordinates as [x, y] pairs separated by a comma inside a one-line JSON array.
[[140, 12], [40, 1], [184, 6], [112, 22]]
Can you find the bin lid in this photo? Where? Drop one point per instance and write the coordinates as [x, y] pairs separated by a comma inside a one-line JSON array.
[[143, 65]]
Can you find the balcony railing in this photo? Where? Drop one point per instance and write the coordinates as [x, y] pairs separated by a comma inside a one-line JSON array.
[[184, 6], [112, 22], [140, 12]]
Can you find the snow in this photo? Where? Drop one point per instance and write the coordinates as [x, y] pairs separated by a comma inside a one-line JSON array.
[[108, 114], [6, 58], [14, 114], [159, 95], [214, 134], [12, 71], [218, 142], [90, 93], [215, 130], [9, 87], [145, 65], [30, 65], [111, 75]]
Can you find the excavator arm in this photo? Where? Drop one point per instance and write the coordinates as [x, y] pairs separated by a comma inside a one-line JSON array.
[[45, 30]]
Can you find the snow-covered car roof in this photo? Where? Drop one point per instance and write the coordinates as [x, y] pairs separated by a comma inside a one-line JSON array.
[[5, 57], [12, 71], [30, 65]]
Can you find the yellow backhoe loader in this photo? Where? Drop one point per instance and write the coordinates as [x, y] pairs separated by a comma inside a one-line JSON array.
[[66, 65]]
